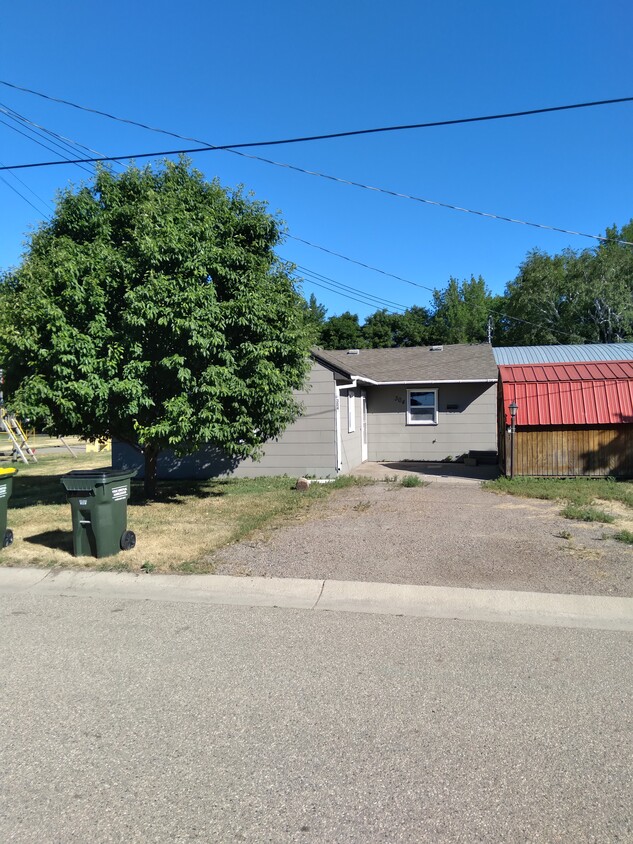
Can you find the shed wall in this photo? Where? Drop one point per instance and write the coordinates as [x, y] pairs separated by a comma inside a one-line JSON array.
[[307, 447], [571, 451], [471, 427]]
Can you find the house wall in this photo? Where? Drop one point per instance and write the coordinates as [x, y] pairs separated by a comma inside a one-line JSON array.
[[471, 426], [571, 451], [307, 447], [351, 453]]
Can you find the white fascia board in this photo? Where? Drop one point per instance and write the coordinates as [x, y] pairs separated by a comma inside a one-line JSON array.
[[425, 381]]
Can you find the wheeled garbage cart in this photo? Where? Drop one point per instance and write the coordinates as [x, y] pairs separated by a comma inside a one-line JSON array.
[[6, 488], [98, 501]]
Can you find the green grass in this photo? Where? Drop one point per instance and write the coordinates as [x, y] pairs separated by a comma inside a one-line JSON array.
[[584, 513], [180, 531], [412, 480], [579, 491], [623, 536]]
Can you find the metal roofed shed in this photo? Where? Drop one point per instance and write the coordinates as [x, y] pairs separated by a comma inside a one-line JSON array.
[[511, 355], [571, 419]]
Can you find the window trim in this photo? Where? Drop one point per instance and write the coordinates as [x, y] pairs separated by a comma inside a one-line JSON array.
[[410, 419], [351, 412]]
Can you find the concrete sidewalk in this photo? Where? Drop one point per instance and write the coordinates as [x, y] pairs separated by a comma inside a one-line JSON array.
[[512, 607]]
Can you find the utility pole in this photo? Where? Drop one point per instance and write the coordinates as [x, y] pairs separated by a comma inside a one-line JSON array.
[[489, 329]]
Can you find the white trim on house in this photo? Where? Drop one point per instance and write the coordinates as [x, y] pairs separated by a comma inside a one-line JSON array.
[[411, 420], [337, 421], [351, 412], [423, 381]]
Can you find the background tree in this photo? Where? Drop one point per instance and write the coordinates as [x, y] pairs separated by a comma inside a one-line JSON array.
[[573, 297], [461, 312], [342, 332], [153, 309], [412, 328], [379, 330], [314, 318]]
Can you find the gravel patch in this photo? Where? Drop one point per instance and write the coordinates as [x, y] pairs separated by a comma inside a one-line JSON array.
[[440, 535]]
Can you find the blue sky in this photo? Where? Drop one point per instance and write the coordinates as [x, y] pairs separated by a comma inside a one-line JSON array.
[[250, 71]]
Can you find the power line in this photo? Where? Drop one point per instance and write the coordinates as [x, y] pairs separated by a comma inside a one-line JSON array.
[[65, 159], [347, 134], [233, 148], [25, 198], [376, 301], [338, 179], [334, 290], [360, 263]]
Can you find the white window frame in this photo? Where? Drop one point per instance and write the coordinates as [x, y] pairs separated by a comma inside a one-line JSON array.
[[351, 412], [412, 420]]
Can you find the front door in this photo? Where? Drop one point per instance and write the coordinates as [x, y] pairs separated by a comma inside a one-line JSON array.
[[363, 425]]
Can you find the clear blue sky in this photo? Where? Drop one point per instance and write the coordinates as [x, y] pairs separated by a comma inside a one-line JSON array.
[[230, 73]]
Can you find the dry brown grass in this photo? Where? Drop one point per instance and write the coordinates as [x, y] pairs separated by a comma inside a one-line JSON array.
[[177, 533]]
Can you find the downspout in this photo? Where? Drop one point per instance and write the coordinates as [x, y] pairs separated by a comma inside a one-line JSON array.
[[337, 426]]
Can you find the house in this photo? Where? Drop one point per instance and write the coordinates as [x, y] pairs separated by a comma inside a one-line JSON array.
[[423, 403], [574, 410]]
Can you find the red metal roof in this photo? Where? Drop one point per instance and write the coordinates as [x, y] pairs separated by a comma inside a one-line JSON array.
[[597, 393]]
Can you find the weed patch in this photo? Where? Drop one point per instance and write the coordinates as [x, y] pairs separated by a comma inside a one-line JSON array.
[[586, 514], [623, 536], [412, 480]]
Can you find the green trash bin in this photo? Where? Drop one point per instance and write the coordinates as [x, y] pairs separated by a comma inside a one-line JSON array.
[[6, 488], [98, 501]]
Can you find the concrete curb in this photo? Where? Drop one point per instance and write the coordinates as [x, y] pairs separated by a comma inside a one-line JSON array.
[[590, 611]]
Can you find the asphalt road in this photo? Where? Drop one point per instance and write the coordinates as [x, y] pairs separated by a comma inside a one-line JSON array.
[[140, 721]]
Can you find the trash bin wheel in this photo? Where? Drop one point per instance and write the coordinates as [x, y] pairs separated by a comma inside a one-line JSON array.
[[128, 540], [7, 538]]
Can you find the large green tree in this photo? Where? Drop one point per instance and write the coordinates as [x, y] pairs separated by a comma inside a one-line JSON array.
[[461, 312], [342, 332], [573, 297], [152, 308]]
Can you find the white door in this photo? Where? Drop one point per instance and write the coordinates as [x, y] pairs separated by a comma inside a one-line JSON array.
[[363, 425]]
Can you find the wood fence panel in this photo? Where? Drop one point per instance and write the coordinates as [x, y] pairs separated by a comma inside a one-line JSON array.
[[566, 452]]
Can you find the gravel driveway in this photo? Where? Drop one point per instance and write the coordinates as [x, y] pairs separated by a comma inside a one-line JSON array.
[[443, 534]]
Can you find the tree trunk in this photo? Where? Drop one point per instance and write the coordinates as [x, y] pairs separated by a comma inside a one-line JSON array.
[[151, 460]]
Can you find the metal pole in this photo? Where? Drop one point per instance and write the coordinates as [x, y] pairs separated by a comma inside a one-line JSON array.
[[512, 430]]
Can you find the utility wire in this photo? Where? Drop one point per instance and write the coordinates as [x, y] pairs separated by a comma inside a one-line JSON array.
[[350, 133], [68, 142], [341, 293], [386, 191], [25, 198], [360, 263], [378, 299], [65, 159], [233, 149]]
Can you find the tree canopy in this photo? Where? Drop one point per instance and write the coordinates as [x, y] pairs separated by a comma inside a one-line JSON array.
[[570, 297], [152, 308]]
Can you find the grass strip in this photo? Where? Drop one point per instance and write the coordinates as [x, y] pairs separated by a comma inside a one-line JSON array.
[[586, 514]]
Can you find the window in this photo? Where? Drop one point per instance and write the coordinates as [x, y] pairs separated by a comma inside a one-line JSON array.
[[351, 412], [422, 407]]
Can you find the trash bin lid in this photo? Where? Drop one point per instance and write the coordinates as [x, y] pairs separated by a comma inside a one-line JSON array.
[[81, 479], [9, 471]]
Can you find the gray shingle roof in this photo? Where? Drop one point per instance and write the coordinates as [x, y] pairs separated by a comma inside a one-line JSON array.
[[417, 365], [513, 355]]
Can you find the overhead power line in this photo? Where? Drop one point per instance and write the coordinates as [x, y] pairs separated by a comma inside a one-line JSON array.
[[360, 263], [374, 188], [349, 133], [232, 148]]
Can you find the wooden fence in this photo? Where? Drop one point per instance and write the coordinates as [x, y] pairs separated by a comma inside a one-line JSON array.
[[571, 451]]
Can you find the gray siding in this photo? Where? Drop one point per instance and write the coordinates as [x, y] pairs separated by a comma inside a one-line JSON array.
[[472, 426], [307, 447], [351, 454]]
